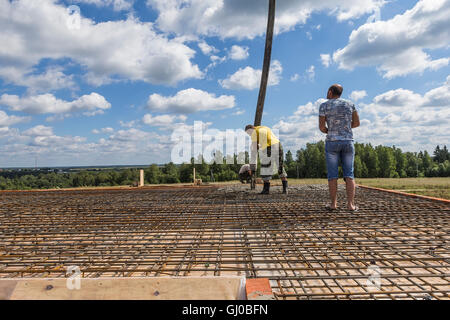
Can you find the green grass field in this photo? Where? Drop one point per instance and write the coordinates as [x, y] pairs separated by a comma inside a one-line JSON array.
[[433, 187]]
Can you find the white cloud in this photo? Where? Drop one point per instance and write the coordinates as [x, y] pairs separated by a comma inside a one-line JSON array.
[[130, 135], [164, 121], [132, 146], [206, 48], [439, 96], [398, 117], [311, 73], [407, 99], [96, 80], [39, 131], [238, 53], [358, 95], [215, 61], [118, 5], [398, 98], [48, 103], [407, 119], [127, 124], [326, 60], [238, 112], [248, 19], [399, 46], [301, 127], [126, 49], [5, 131], [249, 78], [295, 77], [7, 120], [51, 79], [107, 130], [190, 101]]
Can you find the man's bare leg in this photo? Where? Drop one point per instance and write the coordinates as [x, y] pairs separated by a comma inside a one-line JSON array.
[[351, 187], [332, 185]]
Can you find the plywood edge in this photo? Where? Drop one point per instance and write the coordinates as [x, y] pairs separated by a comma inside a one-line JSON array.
[[154, 288]]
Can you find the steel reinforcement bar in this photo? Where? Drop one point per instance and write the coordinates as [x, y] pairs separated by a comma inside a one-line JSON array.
[[394, 247]]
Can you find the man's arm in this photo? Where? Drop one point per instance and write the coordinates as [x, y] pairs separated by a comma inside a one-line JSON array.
[[355, 120], [323, 124]]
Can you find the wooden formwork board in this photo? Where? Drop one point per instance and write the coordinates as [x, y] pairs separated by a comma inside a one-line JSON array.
[[156, 288]]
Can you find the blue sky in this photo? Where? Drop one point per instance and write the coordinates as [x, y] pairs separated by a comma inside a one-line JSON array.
[[109, 86]]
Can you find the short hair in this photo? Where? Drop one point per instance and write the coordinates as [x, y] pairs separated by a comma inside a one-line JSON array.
[[250, 126], [336, 90]]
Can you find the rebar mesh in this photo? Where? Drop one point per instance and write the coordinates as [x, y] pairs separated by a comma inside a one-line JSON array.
[[306, 251]]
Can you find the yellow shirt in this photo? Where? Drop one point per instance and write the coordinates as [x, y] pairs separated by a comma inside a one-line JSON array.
[[264, 137]]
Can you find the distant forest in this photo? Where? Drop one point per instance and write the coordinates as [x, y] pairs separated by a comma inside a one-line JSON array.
[[309, 162]]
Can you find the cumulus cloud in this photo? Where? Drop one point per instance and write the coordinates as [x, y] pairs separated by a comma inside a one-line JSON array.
[[311, 73], [7, 120], [397, 117], [165, 121], [248, 19], [249, 79], [301, 127], [400, 46], [358, 95], [408, 119], [39, 131], [126, 49], [238, 112], [398, 98], [106, 130], [238, 53], [48, 103], [51, 79], [130, 146], [206, 48], [42, 140], [439, 96], [294, 77], [128, 124], [190, 101], [326, 60], [117, 5], [436, 98]]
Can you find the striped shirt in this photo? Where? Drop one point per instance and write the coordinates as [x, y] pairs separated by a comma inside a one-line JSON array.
[[339, 115]]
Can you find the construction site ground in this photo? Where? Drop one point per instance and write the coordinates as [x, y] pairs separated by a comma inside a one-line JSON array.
[[394, 247]]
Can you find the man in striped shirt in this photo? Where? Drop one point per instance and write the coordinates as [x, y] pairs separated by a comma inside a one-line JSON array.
[[337, 118]]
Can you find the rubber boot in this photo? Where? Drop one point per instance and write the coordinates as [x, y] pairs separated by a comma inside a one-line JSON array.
[[266, 188], [285, 186]]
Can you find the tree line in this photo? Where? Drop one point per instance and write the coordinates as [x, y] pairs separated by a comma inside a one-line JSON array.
[[309, 162], [372, 162]]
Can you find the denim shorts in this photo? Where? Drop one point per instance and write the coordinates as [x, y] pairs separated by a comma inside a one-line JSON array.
[[343, 152]]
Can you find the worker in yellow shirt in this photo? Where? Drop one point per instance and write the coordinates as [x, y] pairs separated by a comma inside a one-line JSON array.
[[270, 154]]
